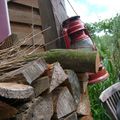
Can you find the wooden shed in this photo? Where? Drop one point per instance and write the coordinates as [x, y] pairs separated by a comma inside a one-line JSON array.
[[25, 23], [29, 17]]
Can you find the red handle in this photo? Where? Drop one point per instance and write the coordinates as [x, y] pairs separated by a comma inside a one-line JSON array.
[[66, 38]]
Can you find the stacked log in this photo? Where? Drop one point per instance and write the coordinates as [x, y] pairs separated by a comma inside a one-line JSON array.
[[48, 86]]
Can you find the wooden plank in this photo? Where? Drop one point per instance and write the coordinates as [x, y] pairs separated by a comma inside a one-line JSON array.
[[58, 76], [40, 85], [24, 17], [48, 20], [7, 111], [64, 103], [16, 91], [31, 3], [22, 31]]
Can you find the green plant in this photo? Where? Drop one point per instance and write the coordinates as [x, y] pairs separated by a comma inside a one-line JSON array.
[[109, 48]]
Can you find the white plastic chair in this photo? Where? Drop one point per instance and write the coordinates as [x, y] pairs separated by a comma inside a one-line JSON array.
[[111, 100]]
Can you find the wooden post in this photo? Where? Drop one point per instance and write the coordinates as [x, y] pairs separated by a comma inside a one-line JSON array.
[[52, 14]]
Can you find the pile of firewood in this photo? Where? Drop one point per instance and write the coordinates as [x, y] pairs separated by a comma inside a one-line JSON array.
[[48, 86]]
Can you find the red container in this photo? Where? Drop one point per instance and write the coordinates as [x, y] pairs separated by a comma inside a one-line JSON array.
[[74, 32]]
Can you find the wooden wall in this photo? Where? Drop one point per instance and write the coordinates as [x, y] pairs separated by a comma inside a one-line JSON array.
[[25, 18]]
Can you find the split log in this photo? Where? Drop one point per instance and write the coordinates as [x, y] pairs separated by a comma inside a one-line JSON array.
[[27, 73], [84, 105], [73, 85], [40, 108], [16, 91], [86, 118], [64, 103], [72, 116], [58, 76], [83, 79], [40, 85], [77, 60], [6, 111]]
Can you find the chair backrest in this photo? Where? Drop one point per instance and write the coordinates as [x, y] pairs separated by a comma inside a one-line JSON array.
[[110, 99]]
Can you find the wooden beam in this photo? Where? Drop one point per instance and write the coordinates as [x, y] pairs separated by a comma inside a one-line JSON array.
[[52, 15]]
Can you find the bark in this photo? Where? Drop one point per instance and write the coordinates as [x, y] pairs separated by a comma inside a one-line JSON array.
[[77, 60]]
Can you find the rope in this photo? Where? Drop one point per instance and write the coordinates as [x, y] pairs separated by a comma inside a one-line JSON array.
[[72, 7]]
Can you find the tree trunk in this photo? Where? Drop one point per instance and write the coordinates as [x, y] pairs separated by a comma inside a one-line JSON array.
[[77, 60], [16, 91]]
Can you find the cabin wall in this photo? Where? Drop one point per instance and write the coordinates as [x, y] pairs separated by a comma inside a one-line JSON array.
[[25, 19]]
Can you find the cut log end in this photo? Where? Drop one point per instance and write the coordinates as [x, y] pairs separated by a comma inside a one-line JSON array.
[[15, 91]]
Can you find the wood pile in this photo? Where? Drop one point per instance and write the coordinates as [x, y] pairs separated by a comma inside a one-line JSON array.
[[47, 86]]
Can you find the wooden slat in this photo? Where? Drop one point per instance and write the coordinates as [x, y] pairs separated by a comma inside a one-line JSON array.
[[47, 19], [109, 91], [22, 30], [24, 17], [32, 3]]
